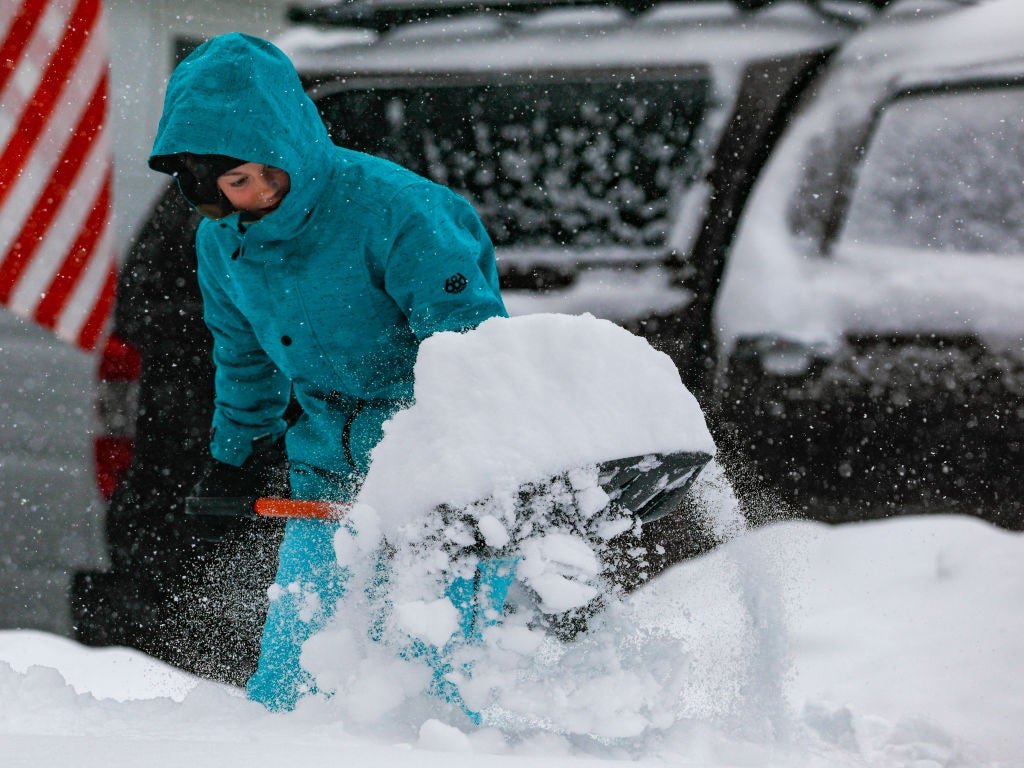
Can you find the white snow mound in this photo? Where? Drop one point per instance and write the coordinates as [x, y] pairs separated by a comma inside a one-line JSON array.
[[521, 399]]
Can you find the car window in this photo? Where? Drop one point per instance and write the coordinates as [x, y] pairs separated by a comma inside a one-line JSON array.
[[597, 162], [945, 172]]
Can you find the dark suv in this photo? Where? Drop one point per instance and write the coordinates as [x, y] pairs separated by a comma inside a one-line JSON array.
[[609, 148]]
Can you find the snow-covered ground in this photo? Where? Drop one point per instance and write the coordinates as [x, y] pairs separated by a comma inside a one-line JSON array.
[[895, 643]]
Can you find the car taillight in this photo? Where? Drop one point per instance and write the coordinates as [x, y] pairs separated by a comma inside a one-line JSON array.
[[117, 406]]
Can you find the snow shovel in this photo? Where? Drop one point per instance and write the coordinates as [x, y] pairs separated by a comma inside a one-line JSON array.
[[649, 486]]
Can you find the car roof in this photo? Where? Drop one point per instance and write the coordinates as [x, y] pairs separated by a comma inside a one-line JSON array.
[[919, 45], [667, 35], [904, 50]]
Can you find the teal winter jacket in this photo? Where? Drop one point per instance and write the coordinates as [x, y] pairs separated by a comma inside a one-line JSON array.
[[328, 296]]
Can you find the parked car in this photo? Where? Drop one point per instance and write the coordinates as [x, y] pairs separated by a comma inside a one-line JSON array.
[[870, 320], [48, 529], [609, 149], [584, 136]]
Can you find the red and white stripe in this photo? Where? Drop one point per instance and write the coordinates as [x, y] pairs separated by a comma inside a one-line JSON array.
[[57, 260]]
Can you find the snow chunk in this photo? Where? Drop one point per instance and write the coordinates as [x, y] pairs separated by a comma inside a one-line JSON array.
[[525, 398], [495, 534], [440, 737], [434, 621], [557, 567]]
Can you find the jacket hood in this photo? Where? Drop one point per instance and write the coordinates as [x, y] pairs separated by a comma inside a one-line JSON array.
[[240, 96]]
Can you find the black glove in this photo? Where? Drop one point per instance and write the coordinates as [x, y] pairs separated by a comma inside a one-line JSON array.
[[264, 473]]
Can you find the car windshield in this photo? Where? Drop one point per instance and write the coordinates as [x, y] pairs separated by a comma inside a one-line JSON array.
[[596, 162], [945, 172]]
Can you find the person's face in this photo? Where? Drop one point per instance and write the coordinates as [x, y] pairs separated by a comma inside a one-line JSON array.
[[255, 188]]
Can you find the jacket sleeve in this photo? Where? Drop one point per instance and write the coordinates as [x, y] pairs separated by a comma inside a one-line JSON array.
[[250, 391], [440, 269]]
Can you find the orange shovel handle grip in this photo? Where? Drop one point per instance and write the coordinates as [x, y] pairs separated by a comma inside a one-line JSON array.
[[300, 508]]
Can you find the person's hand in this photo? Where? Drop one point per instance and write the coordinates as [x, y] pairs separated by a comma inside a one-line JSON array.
[[264, 473]]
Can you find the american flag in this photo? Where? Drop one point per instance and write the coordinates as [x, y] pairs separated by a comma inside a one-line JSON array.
[[57, 264]]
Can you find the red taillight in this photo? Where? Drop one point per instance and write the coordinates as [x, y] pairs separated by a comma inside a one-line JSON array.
[[120, 361], [117, 406], [113, 457]]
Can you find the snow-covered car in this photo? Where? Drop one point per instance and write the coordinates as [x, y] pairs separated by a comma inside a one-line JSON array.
[[609, 149], [870, 319], [47, 527]]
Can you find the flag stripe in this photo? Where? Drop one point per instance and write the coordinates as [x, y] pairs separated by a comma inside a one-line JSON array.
[[75, 260], [50, 200], [87, 293], [92, 330], [57, 259], [18, 33], [31, 63], [34, 118], [78, 201], [38, 168]]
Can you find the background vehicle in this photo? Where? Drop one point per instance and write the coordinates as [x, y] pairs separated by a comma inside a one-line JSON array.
[[610, 152], [872, 332], [584, 136], [47, 528]]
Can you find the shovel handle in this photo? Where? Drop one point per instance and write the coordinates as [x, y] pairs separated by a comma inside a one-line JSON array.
[[300, 508]]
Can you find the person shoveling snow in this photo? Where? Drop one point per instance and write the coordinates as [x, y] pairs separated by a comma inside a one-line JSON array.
[[498, 508], [498, 511], [323, 270]]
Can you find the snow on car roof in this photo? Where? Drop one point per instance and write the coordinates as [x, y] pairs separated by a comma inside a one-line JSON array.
[[988, 32], [579, 38]]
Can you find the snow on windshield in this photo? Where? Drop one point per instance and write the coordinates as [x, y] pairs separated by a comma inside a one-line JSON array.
[[589, 161]]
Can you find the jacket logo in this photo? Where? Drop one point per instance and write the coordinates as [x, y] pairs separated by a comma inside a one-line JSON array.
[[456, 283]]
